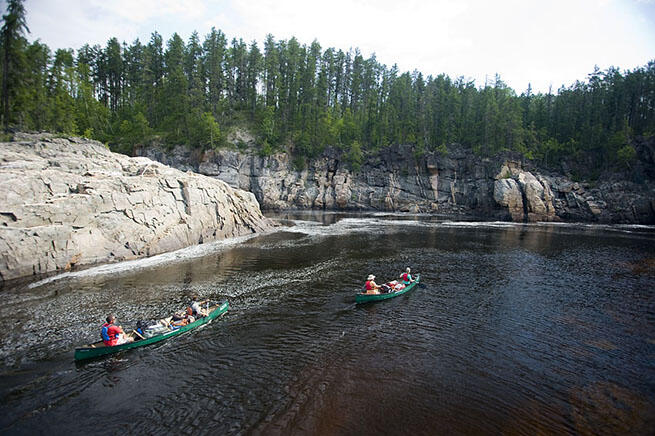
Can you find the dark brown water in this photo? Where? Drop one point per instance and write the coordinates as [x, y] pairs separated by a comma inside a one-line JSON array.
[[519, 329]]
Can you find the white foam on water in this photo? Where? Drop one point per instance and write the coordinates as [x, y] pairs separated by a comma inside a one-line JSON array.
[[382, 220], [482, 224], [180, 255], [399, 214], [618, 228], [636, 226], [343, 226], [306, 223]]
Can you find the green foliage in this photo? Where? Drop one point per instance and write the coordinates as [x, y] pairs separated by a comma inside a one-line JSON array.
[[267, 124], [134, 130], [304, 147], [130, 128], [299, 163], [204, 131], [354, 156], [626, 155], [265, 149], [347, 131], [419, 150]]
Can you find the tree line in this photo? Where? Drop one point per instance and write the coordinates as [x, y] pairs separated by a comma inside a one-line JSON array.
[[302, 98]]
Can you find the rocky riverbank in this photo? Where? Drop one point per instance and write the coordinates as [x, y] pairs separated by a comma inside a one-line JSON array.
[[67, 202], [454, 184]]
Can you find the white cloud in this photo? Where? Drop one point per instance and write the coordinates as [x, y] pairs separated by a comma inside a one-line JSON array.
[[146, 10], [72, 23]]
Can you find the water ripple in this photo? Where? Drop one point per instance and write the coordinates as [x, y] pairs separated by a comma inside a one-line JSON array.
[[518, 329]]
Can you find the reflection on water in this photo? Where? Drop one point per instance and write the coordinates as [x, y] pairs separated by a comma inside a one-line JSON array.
[[519, 329]]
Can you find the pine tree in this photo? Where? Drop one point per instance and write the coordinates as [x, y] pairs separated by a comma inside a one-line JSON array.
[[214, 68], [253, 72], [153, 78], [114, 70], [13, 29], [175, 99], [35, 89], [271, 71], [195, 73], [61, 86]]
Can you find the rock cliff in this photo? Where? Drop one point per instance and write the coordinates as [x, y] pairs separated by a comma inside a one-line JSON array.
[[66, 202], [453, 184]]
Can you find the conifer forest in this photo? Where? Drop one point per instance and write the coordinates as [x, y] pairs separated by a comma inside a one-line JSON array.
[[301, 98]]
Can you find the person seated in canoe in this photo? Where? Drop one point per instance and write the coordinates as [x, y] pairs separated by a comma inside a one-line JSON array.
[[196, 307], [370, 286], [113, 334], [407, 277], [180, 319]]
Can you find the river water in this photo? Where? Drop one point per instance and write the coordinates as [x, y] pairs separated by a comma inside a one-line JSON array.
[[517, 329]]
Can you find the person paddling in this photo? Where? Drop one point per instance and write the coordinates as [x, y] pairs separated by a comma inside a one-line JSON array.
[[407, 277], [371, 286], [113, 334], [196, 307]]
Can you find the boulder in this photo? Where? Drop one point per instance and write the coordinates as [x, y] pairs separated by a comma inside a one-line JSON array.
[[538, 197], [507, 193]]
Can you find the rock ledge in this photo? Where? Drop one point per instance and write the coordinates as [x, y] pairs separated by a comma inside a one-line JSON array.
[[66, 202]]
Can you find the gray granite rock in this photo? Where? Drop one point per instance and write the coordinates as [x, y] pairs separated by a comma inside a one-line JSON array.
[[73, 202], [453, 184], [507, 193]]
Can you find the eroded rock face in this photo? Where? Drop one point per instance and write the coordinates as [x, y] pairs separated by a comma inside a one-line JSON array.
[[557, 198], [453, 184], [526, 197], [507, 193], [393, 180], [73, 202]]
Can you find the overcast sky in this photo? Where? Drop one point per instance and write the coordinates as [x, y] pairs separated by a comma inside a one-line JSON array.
[[542, 42]]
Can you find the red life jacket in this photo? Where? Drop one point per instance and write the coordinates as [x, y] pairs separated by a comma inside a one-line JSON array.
[[406, 277], [109, 334], [369, 285]]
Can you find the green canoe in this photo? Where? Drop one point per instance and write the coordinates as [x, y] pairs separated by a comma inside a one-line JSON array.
[[366, 298], [99, 349]]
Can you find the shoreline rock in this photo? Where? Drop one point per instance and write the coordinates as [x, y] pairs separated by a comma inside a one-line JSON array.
[[71, 202], [453, 184]]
